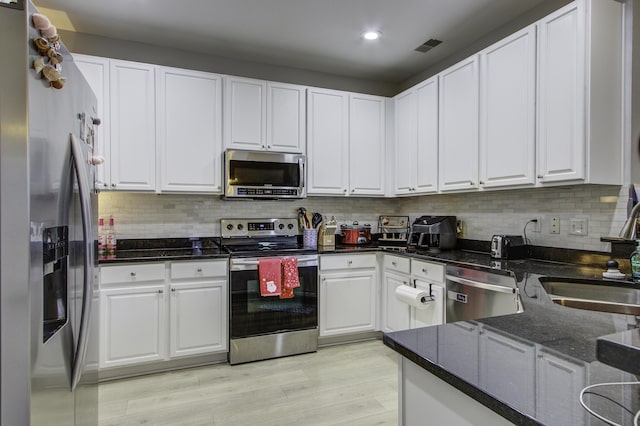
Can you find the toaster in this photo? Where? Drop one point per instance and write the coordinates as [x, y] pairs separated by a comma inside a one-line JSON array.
[[508, 247]]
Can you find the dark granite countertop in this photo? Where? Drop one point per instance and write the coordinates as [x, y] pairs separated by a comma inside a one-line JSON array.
[[161, 249], [549, 332]]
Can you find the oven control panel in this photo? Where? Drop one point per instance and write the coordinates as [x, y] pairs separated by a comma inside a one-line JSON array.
[[236, 228]]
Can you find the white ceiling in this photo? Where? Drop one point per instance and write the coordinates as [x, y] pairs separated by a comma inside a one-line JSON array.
[[317, 35]]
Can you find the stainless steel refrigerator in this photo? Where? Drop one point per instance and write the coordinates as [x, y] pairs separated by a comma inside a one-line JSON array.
[[48, 211]]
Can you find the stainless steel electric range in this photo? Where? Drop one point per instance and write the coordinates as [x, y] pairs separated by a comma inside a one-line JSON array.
[[262, 327]]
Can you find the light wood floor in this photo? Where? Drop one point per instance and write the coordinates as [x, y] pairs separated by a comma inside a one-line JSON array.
[[352, 384]]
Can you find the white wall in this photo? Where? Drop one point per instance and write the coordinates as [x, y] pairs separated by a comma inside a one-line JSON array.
[[483, 214]]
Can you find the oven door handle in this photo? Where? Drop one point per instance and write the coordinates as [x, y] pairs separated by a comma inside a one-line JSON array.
[[244, 262]]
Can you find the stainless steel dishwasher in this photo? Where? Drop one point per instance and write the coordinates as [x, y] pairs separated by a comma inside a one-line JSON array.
[[474, 294]]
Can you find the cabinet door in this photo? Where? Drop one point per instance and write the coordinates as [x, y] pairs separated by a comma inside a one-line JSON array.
[[189, 130], [133, 325], [347, 302], [433, 313], [459, 341], [561, 91], [557, 377], [501, 356], [395, 314], [245, 120], [426, 156], [96, 71], [366, 144], [286, 117], [198, 318], [406, 143], [507, 111], [458, 130], [327, 142], [133, 127]]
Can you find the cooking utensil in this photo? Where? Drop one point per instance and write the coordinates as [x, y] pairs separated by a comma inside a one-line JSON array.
[[316, 219]]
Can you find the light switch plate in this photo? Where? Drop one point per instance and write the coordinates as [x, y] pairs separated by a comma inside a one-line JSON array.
[[554, 225], [578, 226]]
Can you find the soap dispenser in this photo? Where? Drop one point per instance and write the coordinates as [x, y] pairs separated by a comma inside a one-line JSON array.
[[635, 263], [612, 270]]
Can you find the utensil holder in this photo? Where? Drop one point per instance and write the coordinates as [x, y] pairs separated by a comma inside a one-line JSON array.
[[310, 238]]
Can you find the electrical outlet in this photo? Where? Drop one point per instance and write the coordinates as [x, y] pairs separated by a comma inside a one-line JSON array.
[[536, 226], [554, 225], [578, 226]]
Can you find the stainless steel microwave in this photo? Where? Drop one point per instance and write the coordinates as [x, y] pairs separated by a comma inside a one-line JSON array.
[[264, 174]]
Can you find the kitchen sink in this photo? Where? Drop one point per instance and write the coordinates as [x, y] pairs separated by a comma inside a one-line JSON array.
[[593, 295]]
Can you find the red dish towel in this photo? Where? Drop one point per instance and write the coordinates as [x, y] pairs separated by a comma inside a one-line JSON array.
[[290, 277], [270, 276]]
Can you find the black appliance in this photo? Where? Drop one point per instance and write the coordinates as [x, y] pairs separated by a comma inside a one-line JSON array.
[[269, 327], [508, 247], [433, 233]]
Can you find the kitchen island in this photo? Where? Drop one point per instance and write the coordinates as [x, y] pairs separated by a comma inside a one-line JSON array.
[[526, 368]]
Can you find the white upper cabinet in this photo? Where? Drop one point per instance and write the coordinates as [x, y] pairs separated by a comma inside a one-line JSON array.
[[245, 118], [458, 126], [580, 104], [189, 130], [366, 144], [96, 71], [133, 126], [345, 143], [261, 115], [327, 142], [561, 95], [286, 117], [507, 111], [416, 139]]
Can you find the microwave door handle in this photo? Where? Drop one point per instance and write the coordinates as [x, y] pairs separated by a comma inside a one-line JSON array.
[[301, 168]]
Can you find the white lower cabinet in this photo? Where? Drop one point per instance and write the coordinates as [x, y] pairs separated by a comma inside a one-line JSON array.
[[557, 377], [502, 356], [348, 294], [425, 276], [140, 324], [133, 325], [196, 327]]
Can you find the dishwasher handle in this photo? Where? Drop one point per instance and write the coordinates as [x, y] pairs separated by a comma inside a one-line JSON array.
[[485, 286]]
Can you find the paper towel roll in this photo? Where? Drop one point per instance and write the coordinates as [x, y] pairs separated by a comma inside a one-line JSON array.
[[419, 299]]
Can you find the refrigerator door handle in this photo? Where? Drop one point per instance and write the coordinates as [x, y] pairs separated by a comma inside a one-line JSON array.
[[80, 166]]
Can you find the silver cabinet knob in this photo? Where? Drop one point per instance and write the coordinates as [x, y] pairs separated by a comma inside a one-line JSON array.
[[350, 262], [199, 270], [424, 270], [481, 182], [113, 185], [344, 190], [160, 291], [394, 263], [173, 290], [470, 182], [133, 274], [540, 176], [353, 190]]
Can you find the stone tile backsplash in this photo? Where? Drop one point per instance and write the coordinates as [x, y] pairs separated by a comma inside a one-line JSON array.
[[483, 214]]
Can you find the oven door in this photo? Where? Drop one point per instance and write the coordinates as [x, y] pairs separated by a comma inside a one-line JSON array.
[[252, 314]]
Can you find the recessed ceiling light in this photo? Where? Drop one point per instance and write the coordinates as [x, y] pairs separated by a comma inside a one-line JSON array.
[[371, 35]]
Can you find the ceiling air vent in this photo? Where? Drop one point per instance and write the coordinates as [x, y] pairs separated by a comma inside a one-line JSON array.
[[427, 45]]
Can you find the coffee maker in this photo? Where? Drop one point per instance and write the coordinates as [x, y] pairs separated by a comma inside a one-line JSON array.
[[433, 233]]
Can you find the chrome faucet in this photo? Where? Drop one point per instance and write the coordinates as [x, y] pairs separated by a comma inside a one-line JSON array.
[[628, 231]]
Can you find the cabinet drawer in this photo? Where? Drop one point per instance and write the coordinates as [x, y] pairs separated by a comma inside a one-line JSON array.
[[128, 274], [347, 261], [185, 270], [397, 264], [427, 270]]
